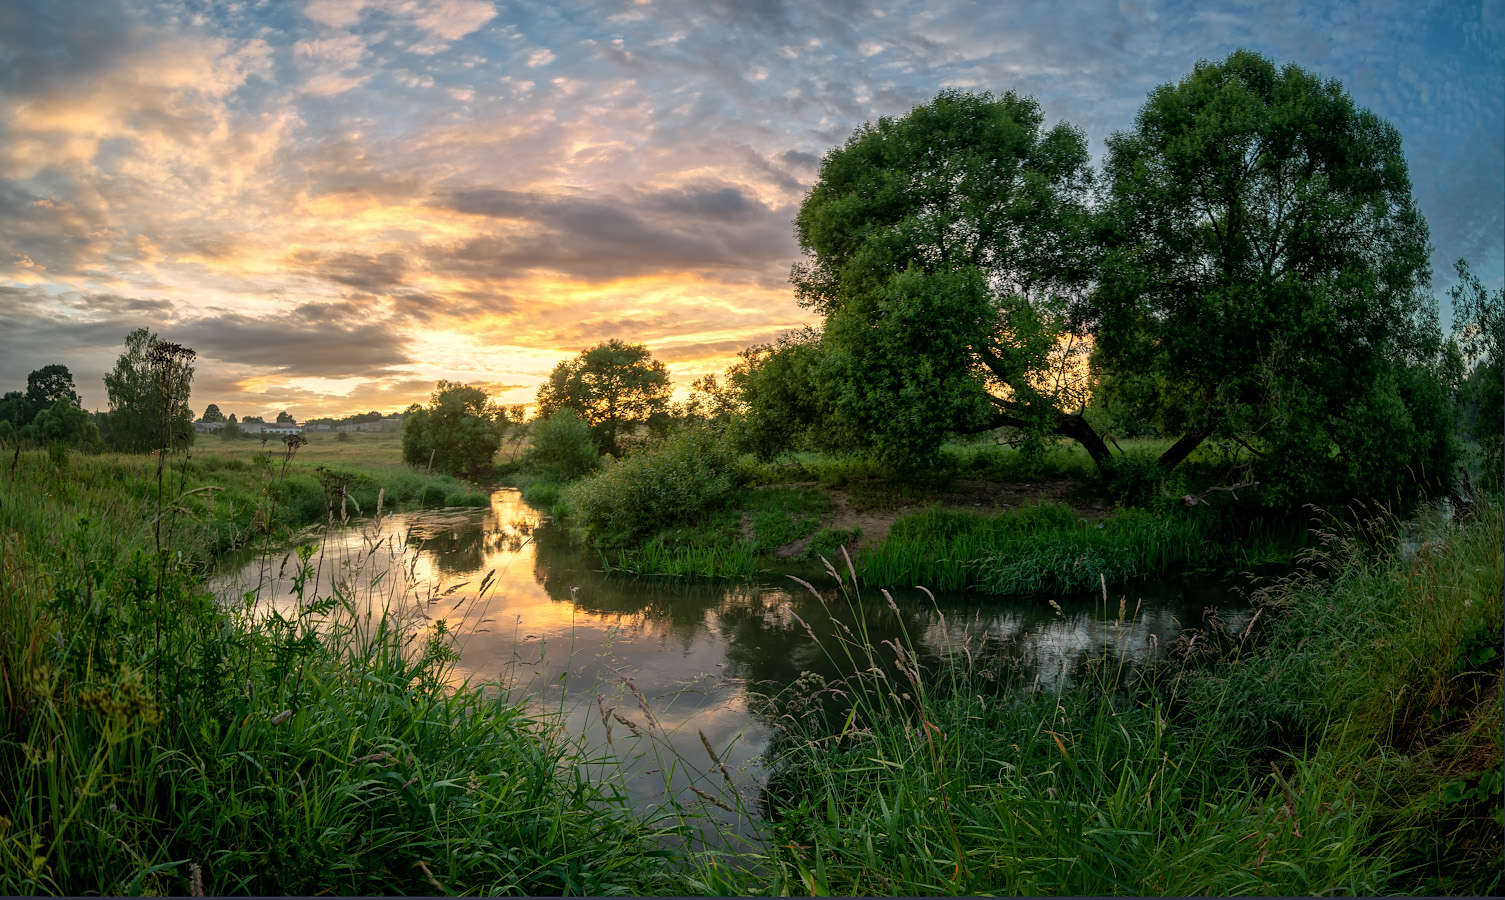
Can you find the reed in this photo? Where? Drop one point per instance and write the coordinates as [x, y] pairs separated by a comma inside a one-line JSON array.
[[1349, 744], [1048, 549], [317, 749], [656, 558]]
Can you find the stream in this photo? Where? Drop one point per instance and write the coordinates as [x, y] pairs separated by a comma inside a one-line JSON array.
[[586, 647]]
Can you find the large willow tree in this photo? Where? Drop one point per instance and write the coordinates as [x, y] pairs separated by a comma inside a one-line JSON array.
[[1266, 284], [945, 250], [1255, 274]]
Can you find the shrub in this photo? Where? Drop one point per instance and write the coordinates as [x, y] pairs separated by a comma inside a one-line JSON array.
[[562, 445], [1134, 479], [670, 484]]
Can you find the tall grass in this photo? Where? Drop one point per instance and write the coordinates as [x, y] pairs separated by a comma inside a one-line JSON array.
[[1048, 549], [1349, 744], [733, 560], [155, 742]]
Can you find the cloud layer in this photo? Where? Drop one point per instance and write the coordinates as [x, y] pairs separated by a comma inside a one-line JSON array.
[[338, 202]]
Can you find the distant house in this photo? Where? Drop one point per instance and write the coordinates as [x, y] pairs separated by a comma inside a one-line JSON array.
[[317, 426], [281, 428], [208, 427]]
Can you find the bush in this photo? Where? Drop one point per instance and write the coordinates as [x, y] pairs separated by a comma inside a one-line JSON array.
[[455, 434], [562, 445], [1134, 479], [671, 484]]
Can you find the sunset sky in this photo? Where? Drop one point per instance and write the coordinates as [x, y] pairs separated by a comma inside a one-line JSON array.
[[339, 202]]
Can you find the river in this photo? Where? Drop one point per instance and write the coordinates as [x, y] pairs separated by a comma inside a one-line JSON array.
[[532, 611]]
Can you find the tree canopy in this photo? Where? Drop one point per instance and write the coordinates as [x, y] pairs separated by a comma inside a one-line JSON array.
[[148, 392], [212, 414], [1266, 278], [457, 430], [612, 386], [48, 385], [1479, 328], [1253, 272], [945, 250]]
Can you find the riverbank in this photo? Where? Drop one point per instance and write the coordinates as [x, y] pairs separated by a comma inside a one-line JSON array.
[[961, 780], [991, 521], [1348, 740], [155, 742]]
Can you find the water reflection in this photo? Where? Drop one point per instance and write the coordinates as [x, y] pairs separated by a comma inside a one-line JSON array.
[[532, 610]]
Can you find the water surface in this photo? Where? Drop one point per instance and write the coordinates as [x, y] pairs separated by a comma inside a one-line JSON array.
[[531, 609]]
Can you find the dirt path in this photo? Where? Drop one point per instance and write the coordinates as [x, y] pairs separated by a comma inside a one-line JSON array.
[[987, 497]]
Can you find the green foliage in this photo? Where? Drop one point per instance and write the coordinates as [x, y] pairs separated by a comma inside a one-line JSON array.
[[775, 387], [1266, 282], [828, 542], [49, 384], [671, 484], [153, 739], [148, 391], [1296, 758], [1048, 549], [662, 557], [941, 248], [1136, 479], [612, 386], [64, 424], [212, 414], [231, 432], [456, 431], [1479, 329], [562, 445], [14, 415], [782, 515]]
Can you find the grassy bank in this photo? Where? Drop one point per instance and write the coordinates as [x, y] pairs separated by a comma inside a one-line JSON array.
[[1348, 742], [153, 742], [254, 489], [1048, 549]]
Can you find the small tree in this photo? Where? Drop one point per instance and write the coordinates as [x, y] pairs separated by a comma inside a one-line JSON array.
[[231, 431], [13, 414], [148, 391], [562, 445], [49, 384], [612, 386], [63, 423], [212, 414], [457, 431], [1479, 329], [284, 419]]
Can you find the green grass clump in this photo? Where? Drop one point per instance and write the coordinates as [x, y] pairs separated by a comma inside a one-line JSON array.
[[1049, 549], [1346, 741], [782, 515], [828, 542], [662, 557], [154, 742]]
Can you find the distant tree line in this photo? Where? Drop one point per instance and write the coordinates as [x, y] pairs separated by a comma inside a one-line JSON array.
[[148, 402]]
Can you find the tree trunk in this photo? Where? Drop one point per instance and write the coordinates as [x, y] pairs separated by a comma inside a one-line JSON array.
[[1072, 426], [1077, 428], [1180, 450]]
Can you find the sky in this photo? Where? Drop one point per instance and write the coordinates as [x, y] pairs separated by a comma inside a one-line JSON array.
[[337, 203]]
